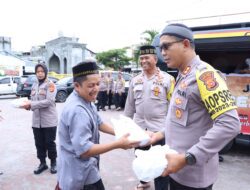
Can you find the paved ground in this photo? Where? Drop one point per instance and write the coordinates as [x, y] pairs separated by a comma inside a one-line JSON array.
[[18, 158]]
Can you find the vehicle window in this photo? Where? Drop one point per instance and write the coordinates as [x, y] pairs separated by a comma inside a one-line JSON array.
[[63, 81], [16, 80], [5, 81], [31, 79]]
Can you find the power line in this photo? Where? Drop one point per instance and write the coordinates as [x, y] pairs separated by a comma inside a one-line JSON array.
[[205, 17]]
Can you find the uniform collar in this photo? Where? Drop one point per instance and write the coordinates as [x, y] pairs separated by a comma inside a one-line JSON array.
[[190, 66]]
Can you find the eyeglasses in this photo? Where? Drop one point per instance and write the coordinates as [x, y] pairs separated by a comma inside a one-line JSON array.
[[166, 46]]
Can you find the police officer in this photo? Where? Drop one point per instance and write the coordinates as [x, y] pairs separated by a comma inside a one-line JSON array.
[[147, 101], [202, 115], [44, 122], [103, 93], [110, 91], [79, 128], [119, 92]]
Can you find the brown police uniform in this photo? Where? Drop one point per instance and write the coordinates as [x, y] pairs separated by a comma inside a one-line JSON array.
[[201, 120]]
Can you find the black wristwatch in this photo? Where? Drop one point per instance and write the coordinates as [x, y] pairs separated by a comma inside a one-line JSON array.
[[190, 159]]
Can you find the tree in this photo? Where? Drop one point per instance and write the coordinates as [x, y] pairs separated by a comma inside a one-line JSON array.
[[148, 39], [150, 34], [115, 58]]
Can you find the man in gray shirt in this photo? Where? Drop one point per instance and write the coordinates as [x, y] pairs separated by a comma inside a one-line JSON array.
[[202, 116], [79, 148]]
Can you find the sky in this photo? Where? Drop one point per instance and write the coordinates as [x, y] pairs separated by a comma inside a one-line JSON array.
[[105, 24]]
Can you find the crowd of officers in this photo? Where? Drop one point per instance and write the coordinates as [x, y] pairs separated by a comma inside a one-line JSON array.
[[111, 92]]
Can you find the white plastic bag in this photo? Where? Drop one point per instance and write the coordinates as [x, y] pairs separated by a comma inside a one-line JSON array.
[[17, 103], [125, 125], [150, 164]]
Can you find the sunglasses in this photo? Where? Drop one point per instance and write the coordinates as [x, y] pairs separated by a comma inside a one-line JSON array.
[[166, 46]]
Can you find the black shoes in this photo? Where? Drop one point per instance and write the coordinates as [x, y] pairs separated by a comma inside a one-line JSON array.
[[41, 168], [53, 169]]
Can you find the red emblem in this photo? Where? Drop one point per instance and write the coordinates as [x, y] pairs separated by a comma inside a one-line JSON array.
[[209, 81]]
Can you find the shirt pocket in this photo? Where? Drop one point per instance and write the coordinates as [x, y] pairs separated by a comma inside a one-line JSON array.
[[179, 112], [42, 94], [138, 91], [157, 92]]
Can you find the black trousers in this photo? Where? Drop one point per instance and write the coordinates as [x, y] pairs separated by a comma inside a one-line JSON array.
[[45, 142], [176, 186], [96, 186], [102, 99], [110, 96], [161, 183]]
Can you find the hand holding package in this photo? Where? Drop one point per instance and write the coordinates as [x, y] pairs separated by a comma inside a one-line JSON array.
[[125, 125], [18, 103], [151, 163]]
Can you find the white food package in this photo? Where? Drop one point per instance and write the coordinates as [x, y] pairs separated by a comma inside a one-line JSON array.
[[150, 164], [17, 103], [125, 125]]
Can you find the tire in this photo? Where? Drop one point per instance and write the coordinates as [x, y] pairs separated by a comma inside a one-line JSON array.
[[61, 96], [227, 147]]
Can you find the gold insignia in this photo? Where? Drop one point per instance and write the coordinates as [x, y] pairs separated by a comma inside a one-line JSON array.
[[178, 101], [183, 85], [156, 91], [178, 113], [187, 70]]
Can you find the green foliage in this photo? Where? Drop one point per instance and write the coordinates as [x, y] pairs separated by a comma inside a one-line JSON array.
[[115, 58], [150, 34]]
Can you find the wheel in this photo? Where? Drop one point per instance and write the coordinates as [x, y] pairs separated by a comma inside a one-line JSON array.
[[227, 147], [61, 96]]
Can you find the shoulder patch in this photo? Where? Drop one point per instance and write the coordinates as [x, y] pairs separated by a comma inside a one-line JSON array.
[[214, 92], [209, 80], [51, 87]]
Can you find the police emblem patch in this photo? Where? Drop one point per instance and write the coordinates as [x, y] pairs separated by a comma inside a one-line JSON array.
[[178, 113], [209, 80], [156, 91], [51, 87]]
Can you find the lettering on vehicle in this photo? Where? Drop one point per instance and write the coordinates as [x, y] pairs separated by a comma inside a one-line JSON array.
[[247, 88]]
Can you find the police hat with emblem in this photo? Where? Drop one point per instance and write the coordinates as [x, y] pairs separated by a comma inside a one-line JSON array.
[[147, 49], [85, 68]]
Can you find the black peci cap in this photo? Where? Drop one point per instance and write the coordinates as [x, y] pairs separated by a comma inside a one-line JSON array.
[[85, 68], [147, 49]]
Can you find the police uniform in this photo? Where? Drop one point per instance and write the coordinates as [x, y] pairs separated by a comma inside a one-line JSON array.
[[44, 121], [119, 90], [78, 132], [147, 100], [201, 119], [147, 104], [103, 90], [110, 90]]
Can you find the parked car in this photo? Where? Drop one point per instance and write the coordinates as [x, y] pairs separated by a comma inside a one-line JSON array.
[[64, 88], [24, 86], [8, 84]]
